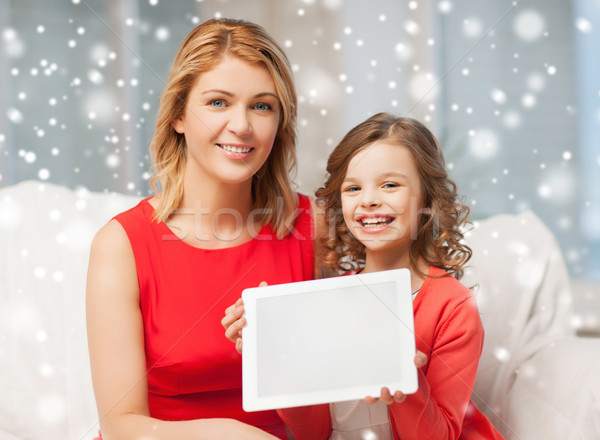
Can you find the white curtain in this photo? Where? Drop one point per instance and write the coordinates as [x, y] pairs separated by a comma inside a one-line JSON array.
[[509, 87]]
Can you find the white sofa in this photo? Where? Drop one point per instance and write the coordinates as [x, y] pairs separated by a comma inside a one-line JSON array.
[[537, 379]]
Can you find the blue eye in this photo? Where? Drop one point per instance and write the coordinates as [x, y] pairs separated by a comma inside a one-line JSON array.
[[390, 185], [217, 103], [262, 106], [352, 189]]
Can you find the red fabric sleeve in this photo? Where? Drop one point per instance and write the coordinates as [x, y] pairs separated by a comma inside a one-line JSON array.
[[438, 407], [308, 422]]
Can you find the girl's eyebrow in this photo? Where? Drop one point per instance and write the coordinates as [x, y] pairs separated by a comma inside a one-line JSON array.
[[383, 175], [394, 174]]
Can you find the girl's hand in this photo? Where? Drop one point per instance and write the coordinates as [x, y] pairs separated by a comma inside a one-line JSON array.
[[398, 397], [233, 322]]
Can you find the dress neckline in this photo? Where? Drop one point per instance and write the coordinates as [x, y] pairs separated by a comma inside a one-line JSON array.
[[265, 231]]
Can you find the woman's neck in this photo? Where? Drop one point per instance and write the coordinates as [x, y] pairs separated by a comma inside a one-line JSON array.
[[216, 212], [213, 196]]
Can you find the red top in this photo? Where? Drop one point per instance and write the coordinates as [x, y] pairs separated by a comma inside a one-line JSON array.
[[193, 370], [449, 331]]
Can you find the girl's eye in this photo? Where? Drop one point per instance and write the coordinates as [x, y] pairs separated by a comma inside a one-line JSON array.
[[262, 106], [352, 189], [217, 103], [390, 185]]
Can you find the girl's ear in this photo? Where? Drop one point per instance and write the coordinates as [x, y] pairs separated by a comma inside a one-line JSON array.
[[178, 126]]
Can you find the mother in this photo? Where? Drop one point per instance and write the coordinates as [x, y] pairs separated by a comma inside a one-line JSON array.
[[224, 217]]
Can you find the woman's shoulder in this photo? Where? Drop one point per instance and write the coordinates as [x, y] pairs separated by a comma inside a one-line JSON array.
[[111, 239], [311, 205], [113, 236], [142, 208]]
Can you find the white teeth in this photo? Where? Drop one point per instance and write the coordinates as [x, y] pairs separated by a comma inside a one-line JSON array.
[[235, 149], [373, 220]]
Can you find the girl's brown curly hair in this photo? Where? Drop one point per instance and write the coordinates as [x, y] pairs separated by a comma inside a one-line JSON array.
[[439, 235]]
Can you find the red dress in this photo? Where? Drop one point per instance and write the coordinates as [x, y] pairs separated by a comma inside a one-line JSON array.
[[449, 331], [193, 370]]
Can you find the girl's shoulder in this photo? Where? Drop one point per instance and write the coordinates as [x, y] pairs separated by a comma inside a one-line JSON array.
[[440, 286]]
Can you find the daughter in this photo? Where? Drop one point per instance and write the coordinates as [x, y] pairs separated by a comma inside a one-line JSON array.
[[389, 204]]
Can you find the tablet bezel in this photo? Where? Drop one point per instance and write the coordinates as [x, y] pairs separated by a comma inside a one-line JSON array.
[[406, 382]]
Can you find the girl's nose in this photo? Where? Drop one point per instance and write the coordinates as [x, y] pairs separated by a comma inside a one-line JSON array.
[[369, 199]]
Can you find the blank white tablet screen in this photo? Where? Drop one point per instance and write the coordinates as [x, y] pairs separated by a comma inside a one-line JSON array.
[[338, 343]]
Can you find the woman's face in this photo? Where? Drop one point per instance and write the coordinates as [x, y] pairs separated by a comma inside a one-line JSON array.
[[230, 121]]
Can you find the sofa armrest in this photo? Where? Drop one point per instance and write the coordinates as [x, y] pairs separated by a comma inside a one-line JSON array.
[[556, 393]]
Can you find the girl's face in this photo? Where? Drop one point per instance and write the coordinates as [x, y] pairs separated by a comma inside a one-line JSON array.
[[230, 121], [381, 197]]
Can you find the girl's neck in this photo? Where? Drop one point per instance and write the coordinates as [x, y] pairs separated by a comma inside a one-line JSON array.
[[377, 261]]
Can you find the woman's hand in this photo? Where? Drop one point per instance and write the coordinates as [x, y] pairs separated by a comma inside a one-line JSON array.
[[386, 396]]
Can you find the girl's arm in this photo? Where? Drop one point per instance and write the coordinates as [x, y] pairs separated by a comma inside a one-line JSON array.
[[438, 407], [116, 344]]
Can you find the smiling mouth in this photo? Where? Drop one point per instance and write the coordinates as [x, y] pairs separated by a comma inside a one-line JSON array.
[[375, 222], [235, 149]]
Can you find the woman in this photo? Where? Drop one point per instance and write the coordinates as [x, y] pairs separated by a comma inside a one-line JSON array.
[[224, 217]]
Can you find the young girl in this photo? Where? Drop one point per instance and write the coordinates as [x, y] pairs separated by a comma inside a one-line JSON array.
[[389, 204], [223, 214]]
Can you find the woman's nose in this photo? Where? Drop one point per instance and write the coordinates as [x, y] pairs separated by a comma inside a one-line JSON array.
[[240, 122]]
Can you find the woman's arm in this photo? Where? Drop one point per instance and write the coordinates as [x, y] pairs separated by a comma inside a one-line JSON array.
[[320, 231], [116, 345]]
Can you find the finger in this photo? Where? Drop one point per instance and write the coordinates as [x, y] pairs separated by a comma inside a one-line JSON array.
[[228, 319], [263, 284], [238, 345], [420, 359], [235, 329], [370, 399], [399, 397], [235, 305], [386, 396], [232, 316]]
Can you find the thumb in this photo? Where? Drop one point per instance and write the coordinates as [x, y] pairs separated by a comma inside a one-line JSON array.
[[263, 284]]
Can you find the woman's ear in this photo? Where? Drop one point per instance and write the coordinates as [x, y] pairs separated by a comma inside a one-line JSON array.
[[178, 126]]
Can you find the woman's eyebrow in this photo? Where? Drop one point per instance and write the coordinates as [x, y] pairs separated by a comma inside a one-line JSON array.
[[225, 92], [260, 95]]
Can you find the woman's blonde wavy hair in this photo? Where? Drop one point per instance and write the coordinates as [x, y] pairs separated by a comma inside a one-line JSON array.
[[439, 235], [201, 51]]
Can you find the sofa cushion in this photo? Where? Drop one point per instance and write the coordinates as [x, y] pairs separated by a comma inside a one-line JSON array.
[[45, 235], [522, 288]]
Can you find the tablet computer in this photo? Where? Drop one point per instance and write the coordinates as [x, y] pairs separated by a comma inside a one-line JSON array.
[[328, 340]]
